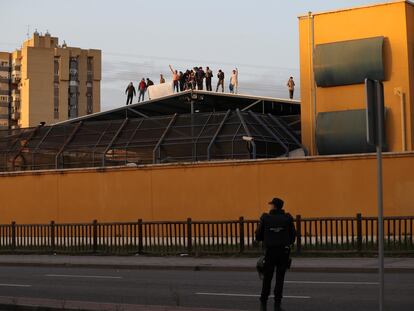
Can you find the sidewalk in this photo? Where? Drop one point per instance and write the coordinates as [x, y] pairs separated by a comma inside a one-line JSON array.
[[36, 304], [357, 265]]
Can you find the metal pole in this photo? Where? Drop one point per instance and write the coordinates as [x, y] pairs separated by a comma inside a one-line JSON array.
[[380, 124]]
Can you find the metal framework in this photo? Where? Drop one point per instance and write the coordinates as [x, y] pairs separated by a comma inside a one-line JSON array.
[[230, 134]]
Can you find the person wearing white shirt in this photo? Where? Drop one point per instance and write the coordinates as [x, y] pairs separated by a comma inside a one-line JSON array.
[[234, 81]]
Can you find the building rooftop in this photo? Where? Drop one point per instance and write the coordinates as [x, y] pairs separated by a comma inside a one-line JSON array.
[[357, 7], [197, 102]]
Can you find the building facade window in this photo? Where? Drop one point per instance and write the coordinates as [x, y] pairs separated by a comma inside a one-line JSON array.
[[56, 88], [89, 86], [73, 88]]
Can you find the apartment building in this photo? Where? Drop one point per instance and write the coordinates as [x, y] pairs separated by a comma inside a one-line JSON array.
[[48, 82], [5, 61]]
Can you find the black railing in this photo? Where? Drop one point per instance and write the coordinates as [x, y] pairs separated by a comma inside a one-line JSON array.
[[345, 234]]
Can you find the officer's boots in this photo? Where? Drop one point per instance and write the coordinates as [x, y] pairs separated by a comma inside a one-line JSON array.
[[278, 306]]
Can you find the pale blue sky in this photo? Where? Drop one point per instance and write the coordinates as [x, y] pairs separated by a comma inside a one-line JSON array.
[[140, 38]]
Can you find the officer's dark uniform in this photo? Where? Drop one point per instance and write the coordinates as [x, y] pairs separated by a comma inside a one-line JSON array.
[[277, 231]]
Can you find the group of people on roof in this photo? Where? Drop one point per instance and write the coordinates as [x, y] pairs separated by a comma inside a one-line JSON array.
[[193, 79]]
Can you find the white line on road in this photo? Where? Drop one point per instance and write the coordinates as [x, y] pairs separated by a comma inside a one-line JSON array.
[[15, 285], [332, 283], [248, 295], [83, 276]]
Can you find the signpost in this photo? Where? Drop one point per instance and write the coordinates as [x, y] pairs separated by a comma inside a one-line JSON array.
[[374, 92]]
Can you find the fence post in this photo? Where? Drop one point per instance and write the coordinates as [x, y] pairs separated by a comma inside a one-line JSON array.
[[140, 237], [298, 234], [95, 236], [359, 232], [189, 236], [52, 236], [241, 230], [13, 235]]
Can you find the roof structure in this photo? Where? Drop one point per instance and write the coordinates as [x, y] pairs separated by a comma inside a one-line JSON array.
[[162, 139], [365, 6], [185, 127], [196, 102]]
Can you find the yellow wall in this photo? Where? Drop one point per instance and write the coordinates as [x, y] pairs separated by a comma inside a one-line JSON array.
[[388, 20], [324, 186]]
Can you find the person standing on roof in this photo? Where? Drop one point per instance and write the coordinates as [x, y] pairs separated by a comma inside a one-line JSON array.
[[142, 87], [130, 91], [209, 76], [220, 76], [162, 80], [234, 81], [193, 82], [181, 79], [175, 79], [200, 74], [149, 82], [291, 86]]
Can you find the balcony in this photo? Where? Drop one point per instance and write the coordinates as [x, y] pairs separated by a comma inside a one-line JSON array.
[[4, 99], [4, 80], [3, 92], [15, 116], [5, 68], [15, 104]]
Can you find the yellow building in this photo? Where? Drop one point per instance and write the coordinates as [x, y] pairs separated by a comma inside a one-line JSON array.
[[5, 60], [392, 25], [49, 82]]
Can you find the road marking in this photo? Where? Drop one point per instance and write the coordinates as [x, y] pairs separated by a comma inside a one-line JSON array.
[[248, 295], [15, 285], [83, 276], [332, 283]]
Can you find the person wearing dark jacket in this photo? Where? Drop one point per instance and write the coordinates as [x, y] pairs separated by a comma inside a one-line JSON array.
[[277, 232], [130, 91], [220, 76], [200, 75], [209, 76], [149, 82]]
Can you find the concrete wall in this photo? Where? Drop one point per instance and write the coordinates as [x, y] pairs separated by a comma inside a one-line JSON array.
[[324, 186], [388, 20]]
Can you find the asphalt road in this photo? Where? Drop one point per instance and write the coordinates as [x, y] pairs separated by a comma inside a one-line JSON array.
[[235, 290]]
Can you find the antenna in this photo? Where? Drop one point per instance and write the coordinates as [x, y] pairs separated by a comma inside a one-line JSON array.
[[28, 32]]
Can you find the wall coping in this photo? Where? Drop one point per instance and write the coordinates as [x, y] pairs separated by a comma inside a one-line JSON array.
[[276, 161]]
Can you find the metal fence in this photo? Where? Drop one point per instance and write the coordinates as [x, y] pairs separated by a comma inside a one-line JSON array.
[[346, 234], [140, 140]]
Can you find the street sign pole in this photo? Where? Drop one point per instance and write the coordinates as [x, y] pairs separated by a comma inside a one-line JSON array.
[[380, 128], [375, 136]]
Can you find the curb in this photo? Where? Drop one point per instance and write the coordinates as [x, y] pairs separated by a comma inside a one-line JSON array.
[[36, 304], [204, 268]]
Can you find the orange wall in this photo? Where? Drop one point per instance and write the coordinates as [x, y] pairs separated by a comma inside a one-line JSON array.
[[388, 20], [324, 186]]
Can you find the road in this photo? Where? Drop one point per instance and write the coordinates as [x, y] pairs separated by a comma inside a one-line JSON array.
[[228, 290]]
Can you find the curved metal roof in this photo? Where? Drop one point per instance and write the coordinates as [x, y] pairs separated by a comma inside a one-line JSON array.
[[202, 136]]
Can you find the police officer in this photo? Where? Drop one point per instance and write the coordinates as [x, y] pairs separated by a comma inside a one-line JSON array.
[[277, 231]]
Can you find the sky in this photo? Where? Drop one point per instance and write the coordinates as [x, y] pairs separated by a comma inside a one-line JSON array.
[[141, 38]]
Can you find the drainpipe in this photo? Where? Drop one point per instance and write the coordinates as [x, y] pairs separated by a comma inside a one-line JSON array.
[[398, 91], [311, 39]]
